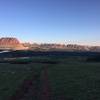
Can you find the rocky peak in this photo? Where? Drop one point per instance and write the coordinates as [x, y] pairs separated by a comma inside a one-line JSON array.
[[10, 43]]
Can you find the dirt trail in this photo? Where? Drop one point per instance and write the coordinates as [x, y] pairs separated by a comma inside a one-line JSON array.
[[27, 90], [36, 88], [45, 88]]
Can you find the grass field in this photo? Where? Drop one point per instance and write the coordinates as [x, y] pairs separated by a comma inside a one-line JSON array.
[[75, 81], [55, 78]]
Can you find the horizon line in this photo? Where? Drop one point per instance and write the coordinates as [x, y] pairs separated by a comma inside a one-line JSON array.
[[56, 42]]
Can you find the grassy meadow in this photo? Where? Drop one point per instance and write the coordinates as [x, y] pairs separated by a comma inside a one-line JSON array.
[[69, 78]]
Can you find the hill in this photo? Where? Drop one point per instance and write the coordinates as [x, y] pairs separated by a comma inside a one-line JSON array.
[[10, 43]]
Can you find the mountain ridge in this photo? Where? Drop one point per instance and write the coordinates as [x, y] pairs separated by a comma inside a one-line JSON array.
[[12, 43]]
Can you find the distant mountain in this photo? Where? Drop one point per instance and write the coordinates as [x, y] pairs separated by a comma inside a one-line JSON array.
[[61, 47], [10, 43]]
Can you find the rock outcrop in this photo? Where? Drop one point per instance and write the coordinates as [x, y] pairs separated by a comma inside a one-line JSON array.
[[10, 43]]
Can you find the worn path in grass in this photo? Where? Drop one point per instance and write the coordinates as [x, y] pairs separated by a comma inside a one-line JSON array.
[[36, 88], [45, 86], [28, 89]]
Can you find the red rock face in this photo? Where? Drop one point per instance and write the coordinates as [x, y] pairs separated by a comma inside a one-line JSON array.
[[10, 43]]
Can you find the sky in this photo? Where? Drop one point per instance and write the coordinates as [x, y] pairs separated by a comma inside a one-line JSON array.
[[51, 21]]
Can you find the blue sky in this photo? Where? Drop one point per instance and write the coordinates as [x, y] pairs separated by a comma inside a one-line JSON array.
[[61, 21]]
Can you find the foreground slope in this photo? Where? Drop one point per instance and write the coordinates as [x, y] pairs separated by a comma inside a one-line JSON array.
[[58, 77]]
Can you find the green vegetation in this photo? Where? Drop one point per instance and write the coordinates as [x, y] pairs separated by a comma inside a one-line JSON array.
[[75, 81], [12, 76], [70, 78]]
